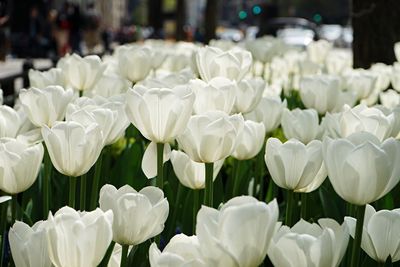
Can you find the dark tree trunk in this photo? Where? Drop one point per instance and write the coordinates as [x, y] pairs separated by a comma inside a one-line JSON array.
[[155, 15], [180, 19], [210, 21], [376, 27]]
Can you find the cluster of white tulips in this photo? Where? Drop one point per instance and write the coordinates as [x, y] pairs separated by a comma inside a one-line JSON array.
[[251, 131]]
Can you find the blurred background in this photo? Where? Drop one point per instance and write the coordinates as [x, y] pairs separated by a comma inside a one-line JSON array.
[[52, 28]]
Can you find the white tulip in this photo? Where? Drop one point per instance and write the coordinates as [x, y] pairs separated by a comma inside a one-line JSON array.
[[295, 166], [338, 61], [211, 137], [250, 141], [301, 124], [269, 112], [19, 165], [218, 94], [181, 251], [249, 92], [10, 122], [78, 239], [190, 173], [45, 106], [390, 98], [380, 235], [317, 51], [82, 73], [383, 73], [213, 62], [29, 245], [253, 222], [138, 216], [73, 148], [134, 62], [110, 85], [362, 82], [42, 79], [307, 244], [361, 169]]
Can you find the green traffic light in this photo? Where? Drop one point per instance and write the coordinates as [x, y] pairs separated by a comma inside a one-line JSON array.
[[256, 10], [242, 14]]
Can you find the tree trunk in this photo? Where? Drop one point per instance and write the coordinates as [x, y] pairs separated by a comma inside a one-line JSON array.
[[376, 27], [210, 21], [154, 8], [180, 19]]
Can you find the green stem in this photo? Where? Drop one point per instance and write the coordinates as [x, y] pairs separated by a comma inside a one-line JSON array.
[[176, 207], [259, 174], [160, 165], [72, 189], [96, 180], [304, 206], [236, 182], [355, 255], [195, 208], [106, 258], [124, 256], [381, 264], [82, 199], [80, 93], [46, 183], [289, 208], [3, 225], [14, 205], [208, 198], [271, 191]]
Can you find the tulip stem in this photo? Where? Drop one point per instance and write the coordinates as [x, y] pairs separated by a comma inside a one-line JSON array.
[[176, 208], [160, 165], [259, 179], [355, 255], [72, 189], [3, 224], [304, 208], [289, 208], [195, 208], [236, 182], [124, 256], [107, 256], [271, 191], [82, 199], [14, 205], [46, 182], [208, 197], [96, 180]]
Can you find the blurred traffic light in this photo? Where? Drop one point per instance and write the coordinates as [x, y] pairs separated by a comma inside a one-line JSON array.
[[256, 10], [242, 14]]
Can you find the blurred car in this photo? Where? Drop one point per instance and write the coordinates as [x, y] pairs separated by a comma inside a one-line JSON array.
[[229, 34], [296, 36]]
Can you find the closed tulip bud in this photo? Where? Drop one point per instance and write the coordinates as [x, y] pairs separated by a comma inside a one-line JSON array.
[[19, 165], [249, 93], [218, 94], [42, 79], [250, 141], [10, 122], [181, 251], [138, 216], [380, 235], [269, 112], [320, 92], [134, 62], [383, 73], [307, 244], [45, 106], [29, 245], [211, 137], [253, 222], [73, 148], [301, 124], [295, 166], [81, 73], [78, 239], [233, 64], [160, 114], [361, 169], [190, 173]]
